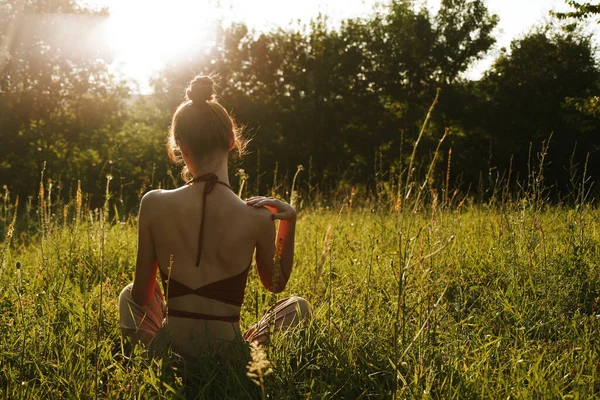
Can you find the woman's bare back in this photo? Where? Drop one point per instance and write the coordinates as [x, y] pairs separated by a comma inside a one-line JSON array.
[[228, 242]]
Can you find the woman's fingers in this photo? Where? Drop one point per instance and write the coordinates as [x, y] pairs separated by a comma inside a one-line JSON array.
[[280, 209], [255, 199], [266, 202]]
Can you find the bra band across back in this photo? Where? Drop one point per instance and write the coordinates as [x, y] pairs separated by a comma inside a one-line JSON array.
[[229, 290], [210, 317]]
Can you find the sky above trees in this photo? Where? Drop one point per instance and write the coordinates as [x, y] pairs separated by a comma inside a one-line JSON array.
[[144, 35]]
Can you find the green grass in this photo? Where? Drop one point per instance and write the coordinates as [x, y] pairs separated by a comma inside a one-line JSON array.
[[488, 301]]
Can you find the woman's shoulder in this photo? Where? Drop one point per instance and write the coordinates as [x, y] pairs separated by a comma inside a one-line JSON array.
[[154, 198], [246, 211], [262, 218], [147, 202], [157, 195], [261, 214]]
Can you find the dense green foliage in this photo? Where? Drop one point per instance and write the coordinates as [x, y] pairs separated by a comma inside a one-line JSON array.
[[58, 103], [532, 95], [580, 10], [340, 101]]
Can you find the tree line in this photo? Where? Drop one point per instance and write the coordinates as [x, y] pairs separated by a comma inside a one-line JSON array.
[[346, 102]]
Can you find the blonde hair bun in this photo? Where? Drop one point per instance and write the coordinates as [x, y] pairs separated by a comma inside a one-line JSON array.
[[200, 89]]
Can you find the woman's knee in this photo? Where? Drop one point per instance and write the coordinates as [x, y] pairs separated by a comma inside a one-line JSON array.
[[303, 308], [125, 295]]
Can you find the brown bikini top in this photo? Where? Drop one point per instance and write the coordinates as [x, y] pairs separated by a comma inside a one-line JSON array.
[[229, 290]]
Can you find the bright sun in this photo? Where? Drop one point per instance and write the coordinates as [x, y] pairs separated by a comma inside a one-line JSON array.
[[144, 35]]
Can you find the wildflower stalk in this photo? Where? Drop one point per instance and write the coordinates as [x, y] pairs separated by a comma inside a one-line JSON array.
[[9, 235], [101, 278], [447, 188], [276, 267], [412, 156], [42, 211], [78, 201], [6, 199], [243, 176], [258, 367], [49, 202], [321, 263], [293, 193], [274, 187], [19, 291]]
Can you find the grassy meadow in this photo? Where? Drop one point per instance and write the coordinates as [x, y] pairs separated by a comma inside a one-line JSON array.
[[440, 263], [418, 296]]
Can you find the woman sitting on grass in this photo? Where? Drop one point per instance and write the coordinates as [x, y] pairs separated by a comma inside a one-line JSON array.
[[201, 238]]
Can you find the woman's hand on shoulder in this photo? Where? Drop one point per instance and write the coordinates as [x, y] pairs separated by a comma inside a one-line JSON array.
[[279, 208]]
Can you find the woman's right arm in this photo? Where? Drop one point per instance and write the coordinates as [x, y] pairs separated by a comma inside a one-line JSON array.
[[144, 281], [275, 252]]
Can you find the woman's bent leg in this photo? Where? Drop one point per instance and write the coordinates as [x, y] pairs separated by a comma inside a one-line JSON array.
[[285, 314], [140, 323]]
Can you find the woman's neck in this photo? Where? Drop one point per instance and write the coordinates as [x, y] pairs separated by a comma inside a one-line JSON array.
[[218, 167]]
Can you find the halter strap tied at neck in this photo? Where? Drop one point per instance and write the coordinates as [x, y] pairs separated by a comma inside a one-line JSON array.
[[210, 182]]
